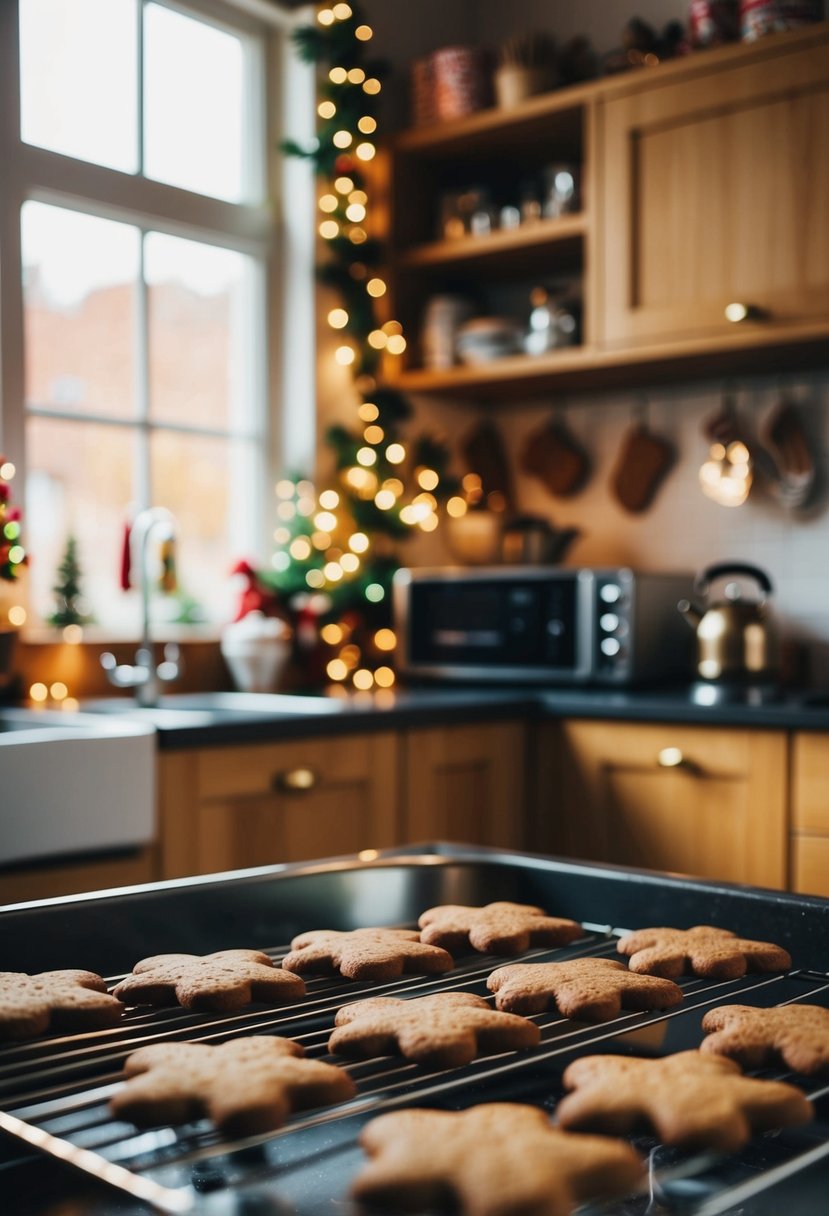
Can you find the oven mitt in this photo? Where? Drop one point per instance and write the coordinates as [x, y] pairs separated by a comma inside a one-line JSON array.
[[643, 461], [483, 451], [554, 456], [786, 440]]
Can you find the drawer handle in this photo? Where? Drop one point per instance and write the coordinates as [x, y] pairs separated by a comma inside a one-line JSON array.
[[673, 757], [295, 781], [738, 311]]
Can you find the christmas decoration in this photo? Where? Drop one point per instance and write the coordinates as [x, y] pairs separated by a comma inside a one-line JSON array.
[[12, 554], [67, 589], [336, 554]]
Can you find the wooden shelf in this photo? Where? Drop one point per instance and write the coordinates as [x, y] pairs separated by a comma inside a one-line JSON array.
[[496, 127], [586, 368], [566, 232]]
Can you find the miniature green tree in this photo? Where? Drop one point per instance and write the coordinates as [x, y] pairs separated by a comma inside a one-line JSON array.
[[68, 589]]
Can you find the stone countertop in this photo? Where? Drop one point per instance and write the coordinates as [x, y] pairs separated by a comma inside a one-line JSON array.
[[188, 721]]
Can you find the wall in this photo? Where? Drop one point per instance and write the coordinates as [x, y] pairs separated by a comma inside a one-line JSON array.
[[683, 530]]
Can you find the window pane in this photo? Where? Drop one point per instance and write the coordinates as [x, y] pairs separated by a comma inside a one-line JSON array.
[[78, 79], [80, 481], [79, 309], [205, 482], [193, 105], [201, 332]]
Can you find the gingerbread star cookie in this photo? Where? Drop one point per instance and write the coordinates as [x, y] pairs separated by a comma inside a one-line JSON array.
[[497, 928], [688, 1099], [245, 1086], [703, 950], [490, 1160], [226, 980], [54, 1000], [441, 1031], [796, 1034], [365, 954], [591, 989]]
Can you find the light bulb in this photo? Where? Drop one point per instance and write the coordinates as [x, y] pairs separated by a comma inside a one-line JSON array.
[[338, 318], [365, 151], [376, 288]]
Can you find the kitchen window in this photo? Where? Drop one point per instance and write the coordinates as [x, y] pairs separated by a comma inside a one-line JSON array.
[[140, 284]]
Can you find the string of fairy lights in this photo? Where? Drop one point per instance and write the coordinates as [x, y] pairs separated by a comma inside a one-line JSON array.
[[341, 546]]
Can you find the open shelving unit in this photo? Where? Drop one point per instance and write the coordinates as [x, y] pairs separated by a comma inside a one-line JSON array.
[[600, 127]]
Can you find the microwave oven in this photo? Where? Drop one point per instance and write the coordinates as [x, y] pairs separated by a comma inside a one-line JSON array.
[[542, 625]]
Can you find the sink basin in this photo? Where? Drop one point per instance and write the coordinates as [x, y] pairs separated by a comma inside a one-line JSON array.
[[73, 783], [208, 708]]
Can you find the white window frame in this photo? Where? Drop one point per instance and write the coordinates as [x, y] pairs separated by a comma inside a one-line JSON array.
[[280, 237]]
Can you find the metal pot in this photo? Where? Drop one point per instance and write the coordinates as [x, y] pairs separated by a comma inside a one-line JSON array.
[[736, 639], [528, 540]]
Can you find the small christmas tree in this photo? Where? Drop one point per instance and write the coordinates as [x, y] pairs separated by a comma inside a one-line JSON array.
[[68, 589]]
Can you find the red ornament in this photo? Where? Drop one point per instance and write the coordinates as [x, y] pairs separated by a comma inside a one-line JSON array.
[[344, 164], [253, 597]]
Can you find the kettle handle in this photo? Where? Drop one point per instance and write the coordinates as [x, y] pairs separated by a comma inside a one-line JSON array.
[[703, 581]]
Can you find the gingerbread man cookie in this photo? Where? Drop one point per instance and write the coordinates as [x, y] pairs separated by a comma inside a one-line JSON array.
[[703, 950], [365, 954], [54, 1000], [245, 1086], [441, 1031], [591, 989], [497, 928], [688, 1099], [796, 1034], [228, 979], [492, 1159]]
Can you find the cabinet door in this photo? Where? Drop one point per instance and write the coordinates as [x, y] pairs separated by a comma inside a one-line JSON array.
[[810, 813], [233, 807], [466, 784], [707, 801], [716, 190]]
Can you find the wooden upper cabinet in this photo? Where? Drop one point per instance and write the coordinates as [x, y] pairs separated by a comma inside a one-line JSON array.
[[714, 190]]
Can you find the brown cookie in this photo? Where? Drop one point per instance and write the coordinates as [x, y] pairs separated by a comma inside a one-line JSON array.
[[591, 989], [365, 954], [54, 1000], [703, 950], [499, 928], [493, 1159], [797, 1035], [245, 1086], [228, 979], [441, 1031], [682, 1098]]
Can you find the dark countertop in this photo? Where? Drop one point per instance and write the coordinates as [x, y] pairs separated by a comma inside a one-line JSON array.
[[189, 720]]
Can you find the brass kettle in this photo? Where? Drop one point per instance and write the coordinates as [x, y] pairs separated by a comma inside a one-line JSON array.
[[736, 639]]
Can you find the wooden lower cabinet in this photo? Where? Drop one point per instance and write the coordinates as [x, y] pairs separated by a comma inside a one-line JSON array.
[[227, 808], [49, 881], [706, 801], [466, 784], [810, 813]]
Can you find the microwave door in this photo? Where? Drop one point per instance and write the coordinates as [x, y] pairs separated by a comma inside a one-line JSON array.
[[478, 628]]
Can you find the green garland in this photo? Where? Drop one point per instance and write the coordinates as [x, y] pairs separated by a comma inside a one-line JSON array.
[[386, 486]]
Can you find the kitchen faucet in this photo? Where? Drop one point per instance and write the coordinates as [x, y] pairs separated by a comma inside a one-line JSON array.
[[143, 675]]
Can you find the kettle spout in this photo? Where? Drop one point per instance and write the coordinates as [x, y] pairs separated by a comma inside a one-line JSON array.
[[691, 613]]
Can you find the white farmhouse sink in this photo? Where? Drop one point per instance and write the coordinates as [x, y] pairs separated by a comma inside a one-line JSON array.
[[72, 783], [209, 708]]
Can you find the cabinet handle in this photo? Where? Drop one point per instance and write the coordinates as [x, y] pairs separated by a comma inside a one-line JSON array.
[[738, 311], [295, 781], [673, 757]]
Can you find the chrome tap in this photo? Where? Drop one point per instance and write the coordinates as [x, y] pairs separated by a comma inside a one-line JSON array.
[[143, 675]]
